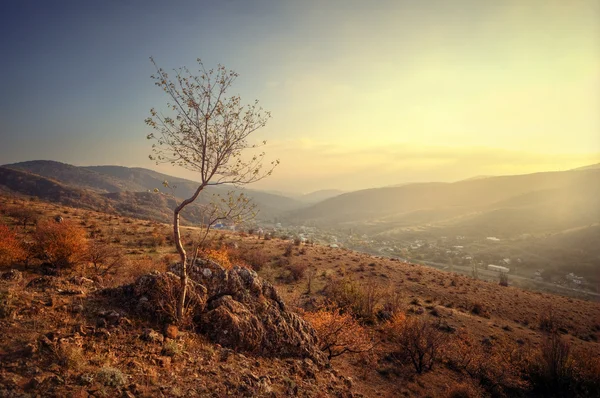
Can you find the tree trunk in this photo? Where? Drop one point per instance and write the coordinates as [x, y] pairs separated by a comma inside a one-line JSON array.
[[182, 254], [183, 259]]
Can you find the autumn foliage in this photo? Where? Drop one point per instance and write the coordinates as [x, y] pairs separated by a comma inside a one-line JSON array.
[[61, 244], [220, 256], [11, 250], [339, 333]]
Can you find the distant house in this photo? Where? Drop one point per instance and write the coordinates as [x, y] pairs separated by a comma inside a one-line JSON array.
[[574, 278], [497, 268], [493, 238]]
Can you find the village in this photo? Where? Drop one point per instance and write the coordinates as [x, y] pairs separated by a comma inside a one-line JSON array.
[[464, 255]]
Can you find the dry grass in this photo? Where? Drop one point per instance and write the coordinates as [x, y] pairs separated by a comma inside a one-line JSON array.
[[506, 320]]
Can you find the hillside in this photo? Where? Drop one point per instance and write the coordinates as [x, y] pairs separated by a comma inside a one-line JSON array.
[[81, 333], [144, 205], [118, 179], [26, 183], [74, 176], [494, 205], [318, 196]]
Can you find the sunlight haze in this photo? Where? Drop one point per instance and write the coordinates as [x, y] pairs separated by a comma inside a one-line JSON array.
[[363, 94]]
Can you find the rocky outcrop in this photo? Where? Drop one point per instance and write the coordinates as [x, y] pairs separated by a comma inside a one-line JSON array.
[[237, 309], [157, 294]]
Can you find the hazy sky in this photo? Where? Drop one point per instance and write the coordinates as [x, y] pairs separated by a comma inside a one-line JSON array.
[[363, 93]]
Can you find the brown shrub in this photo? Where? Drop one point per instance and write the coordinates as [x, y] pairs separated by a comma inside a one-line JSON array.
[[548, 321], [552, 370], [418, 342], [480, 310], [61, 244], [257, 259], [360, 300], [11, 249], [339, 333], [586, 369], [497, 365], [104, 257], [23, 215], [391, 304], [136, 267], [297, 271]]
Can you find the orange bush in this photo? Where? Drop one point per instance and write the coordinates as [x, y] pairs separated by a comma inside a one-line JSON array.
[[339, 333], [219, 256], [61, 244], [11, 250], [222, 256]]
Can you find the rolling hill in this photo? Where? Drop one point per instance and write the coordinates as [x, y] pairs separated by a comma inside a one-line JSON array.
[[504, 205], [124, 184]]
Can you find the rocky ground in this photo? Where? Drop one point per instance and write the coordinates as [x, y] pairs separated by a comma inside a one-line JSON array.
[[83, 333]]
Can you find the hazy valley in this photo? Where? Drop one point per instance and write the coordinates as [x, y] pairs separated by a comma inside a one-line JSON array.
[[543, 226]]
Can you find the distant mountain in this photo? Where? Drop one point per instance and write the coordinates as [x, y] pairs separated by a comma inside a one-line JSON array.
[[73, 176], [319, 196], [476, 178], [25, 183], [590, 167], [496, 205], [126, 181], [145, 205], [270, 205]]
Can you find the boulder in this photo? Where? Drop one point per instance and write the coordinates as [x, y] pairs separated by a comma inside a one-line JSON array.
[[245, 312], [242, 311], [157, 294]]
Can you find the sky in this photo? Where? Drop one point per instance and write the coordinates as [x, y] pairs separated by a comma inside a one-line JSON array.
[[362, 93]]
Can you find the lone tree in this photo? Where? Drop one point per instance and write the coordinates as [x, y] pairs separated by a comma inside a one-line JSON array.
[[204, 130]]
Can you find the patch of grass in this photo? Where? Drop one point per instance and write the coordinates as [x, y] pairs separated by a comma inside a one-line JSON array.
[[111, 377]]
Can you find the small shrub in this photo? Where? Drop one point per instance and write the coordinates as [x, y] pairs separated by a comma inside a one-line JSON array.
[[256, 259], [104, 257], [391, 304], [69, 357], [548, 321], [288, 250], [111, 377], [419, 342], [171, 348], [361, 300], [220, 256], [11, 249], [297, 271], [61, 244], [23, 215], [496, 364], [552, 371], [479, 310], [339, 333]]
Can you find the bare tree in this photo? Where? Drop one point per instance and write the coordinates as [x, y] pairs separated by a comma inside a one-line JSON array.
[[205, 131]]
